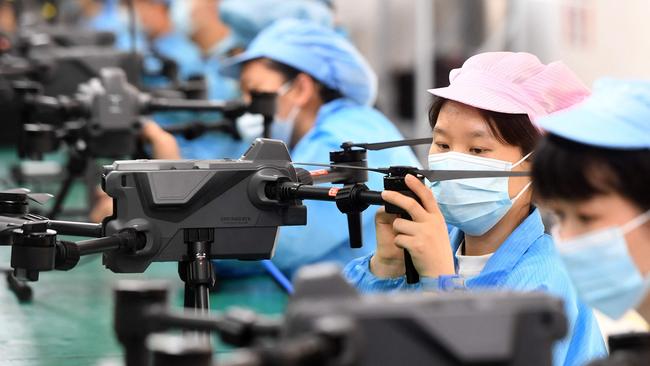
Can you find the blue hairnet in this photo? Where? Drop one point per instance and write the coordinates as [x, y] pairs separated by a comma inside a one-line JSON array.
[[315, 50], [616, 115], [246, 18]]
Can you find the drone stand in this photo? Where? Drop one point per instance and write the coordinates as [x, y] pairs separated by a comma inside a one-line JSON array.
[[74, 169], [197, 271]]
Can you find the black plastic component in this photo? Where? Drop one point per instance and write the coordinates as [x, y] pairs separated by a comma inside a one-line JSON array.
[[133, 301], [635, 342], [13, 203], [20, 288], [348, 202], [351, 158], [398, 184], [34, 250], [264, 104], [67, 256], [173, 350], [76, 228]]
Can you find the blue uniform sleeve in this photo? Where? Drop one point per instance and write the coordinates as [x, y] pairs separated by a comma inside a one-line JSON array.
[[358, 273]]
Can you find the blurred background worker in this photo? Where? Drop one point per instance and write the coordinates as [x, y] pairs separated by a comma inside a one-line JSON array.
[[98, 15], [198, 20], [224, 27], [593, 171], [165, 42], [218, 29]]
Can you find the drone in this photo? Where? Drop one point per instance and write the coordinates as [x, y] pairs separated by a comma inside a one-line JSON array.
[[351, 158], [192, 211]]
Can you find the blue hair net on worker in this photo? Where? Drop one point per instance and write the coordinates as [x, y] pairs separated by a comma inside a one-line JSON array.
[[616, 116], [247, 18], [318, 51]]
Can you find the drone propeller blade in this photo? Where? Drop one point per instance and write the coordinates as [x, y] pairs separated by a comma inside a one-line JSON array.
[[40, 198], [388, 144], [17, 190]]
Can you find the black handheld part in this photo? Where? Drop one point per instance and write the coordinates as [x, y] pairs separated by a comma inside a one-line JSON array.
[[349, 203], [22, 290], [264, 104], [398, 184], [194, 130], [174, 105]]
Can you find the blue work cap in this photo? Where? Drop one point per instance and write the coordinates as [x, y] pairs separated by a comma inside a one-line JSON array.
[[616, 115], [317, 51], [246, 18]]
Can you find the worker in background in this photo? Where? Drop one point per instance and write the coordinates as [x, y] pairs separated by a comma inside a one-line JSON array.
[[325, 90], [224, 27], [593, 171], [484, 233], [154, 18], [106, 16], [218, 28], [100, 15]]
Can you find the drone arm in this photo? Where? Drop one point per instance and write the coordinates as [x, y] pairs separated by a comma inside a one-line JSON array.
[[190, 105], [76, 228], [351, 200], [68, 253], [193, 130]]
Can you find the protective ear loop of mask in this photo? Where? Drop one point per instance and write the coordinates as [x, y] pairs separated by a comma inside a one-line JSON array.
[[523, 190], [282, 90], [635, 222], [521, 160]]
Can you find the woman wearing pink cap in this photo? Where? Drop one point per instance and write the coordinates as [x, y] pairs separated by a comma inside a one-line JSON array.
[[484, 233]]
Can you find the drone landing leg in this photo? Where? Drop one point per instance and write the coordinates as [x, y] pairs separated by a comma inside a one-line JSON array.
[[197, 271]]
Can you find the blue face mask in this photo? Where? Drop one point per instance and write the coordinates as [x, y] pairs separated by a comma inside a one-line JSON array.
[[282, 128], [473, 205], [181, 14], [602, 270]]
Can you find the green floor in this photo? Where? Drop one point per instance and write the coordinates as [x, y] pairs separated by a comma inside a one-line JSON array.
[[70, 320]]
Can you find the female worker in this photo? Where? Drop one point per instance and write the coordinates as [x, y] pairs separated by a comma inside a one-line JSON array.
[[593, 171], [484, 233], [325, 90]]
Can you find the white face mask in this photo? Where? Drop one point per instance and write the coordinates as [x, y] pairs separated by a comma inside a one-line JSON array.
[[473, 205], [282, 128], [602, 270]]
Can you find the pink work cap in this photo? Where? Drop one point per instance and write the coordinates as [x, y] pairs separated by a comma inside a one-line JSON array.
[[509, 82]]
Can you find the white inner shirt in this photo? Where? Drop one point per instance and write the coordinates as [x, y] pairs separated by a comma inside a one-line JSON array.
[[470, 265]]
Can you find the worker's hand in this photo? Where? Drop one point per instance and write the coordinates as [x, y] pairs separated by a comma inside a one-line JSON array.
[[163, 143], [102, 207], [425, 236], [388, 261]]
